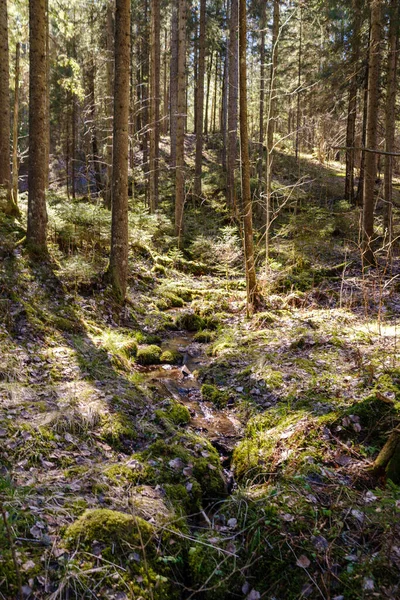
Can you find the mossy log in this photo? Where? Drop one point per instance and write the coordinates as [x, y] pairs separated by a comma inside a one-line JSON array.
[[388, 460]]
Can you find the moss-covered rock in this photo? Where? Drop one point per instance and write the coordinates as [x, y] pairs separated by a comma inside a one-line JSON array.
[[171, 357], [176, 413], [190, 321], [108, 526], [149, 355], [186, 459], [212, 394]]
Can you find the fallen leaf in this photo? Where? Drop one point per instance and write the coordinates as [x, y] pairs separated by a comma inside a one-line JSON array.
[[303, 562], [28, 565]]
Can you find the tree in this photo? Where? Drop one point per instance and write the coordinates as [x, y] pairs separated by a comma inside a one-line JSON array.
[[4, 102], [200, 100], [173, 81], [352, 103], [14, 187], [271, 118], [390, 122], [37, 174], [180, 121], [251, 281], [109, 103], [372, 130], [118, 268], [154, 105], [233, 92]]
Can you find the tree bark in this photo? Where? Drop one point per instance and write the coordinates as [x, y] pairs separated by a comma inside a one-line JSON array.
[[352, 104], [271, 117], [180, 122], [173, 85], [154, 105], [13, 202], [251, 281], [37, 173], [372, 130], [263, 24], [209, 73], [390, 122], [233, 91], [200, 100], [109, 104], [93, 127], [299, 71], [4, 102], [118, 269], [360, 187]]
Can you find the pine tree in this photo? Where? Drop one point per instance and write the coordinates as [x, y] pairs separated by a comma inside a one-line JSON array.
[[38, 127], [251, 281], [372, 130], [4, 102], [180, 122], [118, 269]]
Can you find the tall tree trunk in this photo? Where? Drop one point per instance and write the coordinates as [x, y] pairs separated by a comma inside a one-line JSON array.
[[93, 127], [200, 100], [14, 187], [390, 122], [118, 269], [180, 122], [360, 187], [145, 92], [209, 73], [154, 105], [224, 110], [299, 70], [173, 85], [233, 91], [109, 104], [37, 213], [262, 94], [47, 138], [215, 96], [271, 118], [164, 127], [352, 104], [372, 130], [4, 102], [251, 281]]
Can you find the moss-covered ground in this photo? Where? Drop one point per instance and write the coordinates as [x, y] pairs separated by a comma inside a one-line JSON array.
[[111, 486]]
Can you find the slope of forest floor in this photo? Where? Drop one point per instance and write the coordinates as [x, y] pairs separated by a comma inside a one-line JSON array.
[[174, 448]]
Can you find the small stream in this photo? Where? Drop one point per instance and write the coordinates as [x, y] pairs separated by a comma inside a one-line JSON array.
[[221, 427]]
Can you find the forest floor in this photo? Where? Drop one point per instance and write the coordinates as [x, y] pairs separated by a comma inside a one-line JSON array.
[[174, 448]]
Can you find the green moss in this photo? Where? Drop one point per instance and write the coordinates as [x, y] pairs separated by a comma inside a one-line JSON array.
[[204, 336], [65, 324], [208, 563], [171, 357], [149, 355], [130, 348], [170, 300], [108, 526], [117, 430], [127, 473], [212, 394], [190, 321], [183, 501], [198, 463], [177, 413]]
